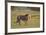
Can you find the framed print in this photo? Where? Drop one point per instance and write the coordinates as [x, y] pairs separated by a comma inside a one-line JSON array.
[[24, 17]]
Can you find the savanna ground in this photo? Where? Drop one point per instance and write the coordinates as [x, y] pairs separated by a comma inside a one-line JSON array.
[[33, 21]]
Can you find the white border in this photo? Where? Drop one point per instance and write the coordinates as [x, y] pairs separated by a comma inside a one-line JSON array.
[[24, 29]]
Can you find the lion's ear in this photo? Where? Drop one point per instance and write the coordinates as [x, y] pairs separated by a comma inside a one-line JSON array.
[[26, 14]]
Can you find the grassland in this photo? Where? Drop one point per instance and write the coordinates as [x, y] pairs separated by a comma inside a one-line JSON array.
[[34, 21]]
